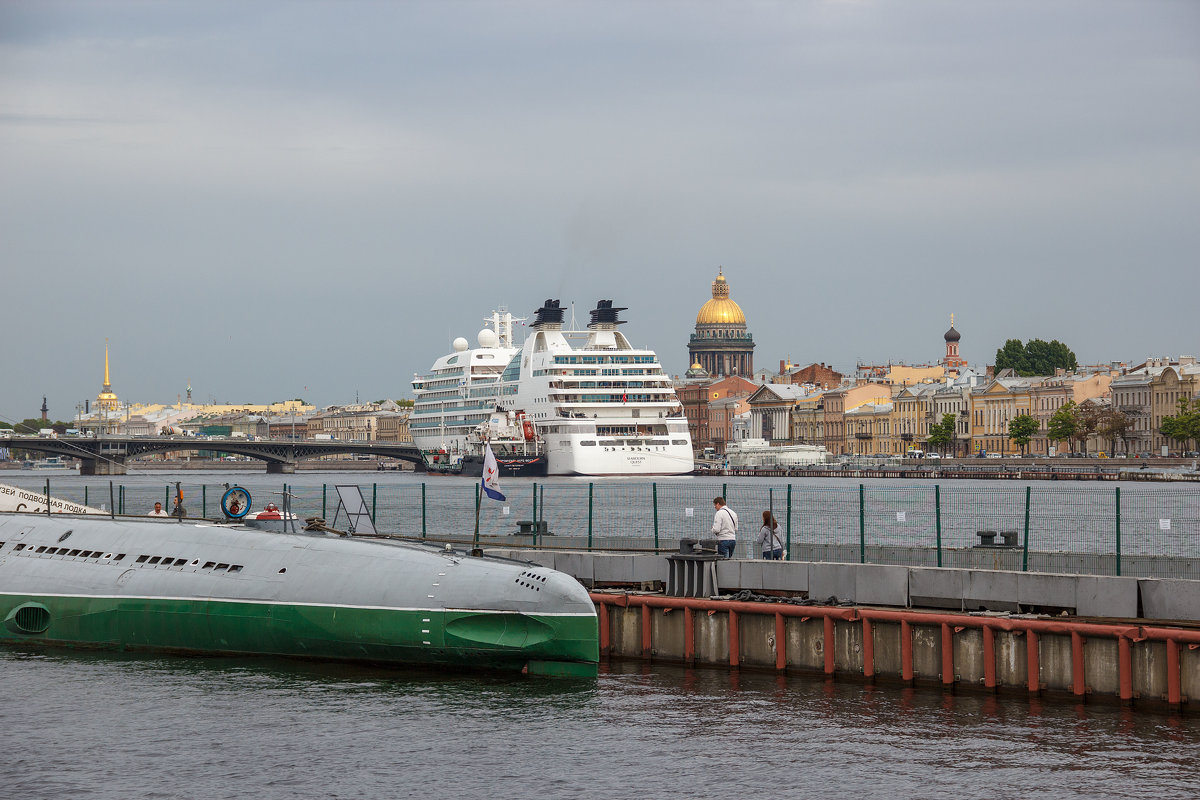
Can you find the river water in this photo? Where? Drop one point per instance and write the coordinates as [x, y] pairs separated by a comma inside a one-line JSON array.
[[1074, 517], [92, 725]]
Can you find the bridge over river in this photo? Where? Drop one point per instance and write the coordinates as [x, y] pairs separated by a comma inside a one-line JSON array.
[[108, 455]]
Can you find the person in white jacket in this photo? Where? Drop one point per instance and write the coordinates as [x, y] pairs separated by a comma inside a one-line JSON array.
[[769, 538], [725, 527]]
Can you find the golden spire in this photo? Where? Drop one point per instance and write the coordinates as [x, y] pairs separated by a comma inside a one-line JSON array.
[[951, 319], [107, 383]]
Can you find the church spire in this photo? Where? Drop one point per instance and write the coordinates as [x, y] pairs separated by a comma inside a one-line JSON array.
[[107, 382]]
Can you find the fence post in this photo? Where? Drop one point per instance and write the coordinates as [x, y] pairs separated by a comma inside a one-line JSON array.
[[47, 497], [374, 497], [112, 502], [323, 514], [535, 516], [789, 523], [1118, 530], [477, 499], [422, 509], [167, 496], [725, 491], [862, 524], [122, 511], [85, 497], [204, 501], [654, 487], [1025, 549], [937, 514], [591, 486]]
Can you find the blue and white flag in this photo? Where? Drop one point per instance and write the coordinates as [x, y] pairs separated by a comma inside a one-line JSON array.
[[491, 474]]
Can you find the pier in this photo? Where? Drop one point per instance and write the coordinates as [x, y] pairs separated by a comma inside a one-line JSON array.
[[1071, 637]]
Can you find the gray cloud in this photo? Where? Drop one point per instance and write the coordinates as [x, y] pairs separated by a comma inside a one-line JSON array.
[[263, 197]]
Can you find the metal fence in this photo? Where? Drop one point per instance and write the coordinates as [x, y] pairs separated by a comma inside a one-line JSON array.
[[1103, 530]]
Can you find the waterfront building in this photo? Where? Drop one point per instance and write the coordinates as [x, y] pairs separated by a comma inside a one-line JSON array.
[[868, 428], [771, 412], [722, 415], [722, 345], [1051, 394], [814, 375], [370, 422], [954, 397], [808, 418], [912, 416], [292, 426], [845, 398], [994, 406]]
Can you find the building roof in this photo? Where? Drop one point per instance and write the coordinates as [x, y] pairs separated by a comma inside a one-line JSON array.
[[720, 310]]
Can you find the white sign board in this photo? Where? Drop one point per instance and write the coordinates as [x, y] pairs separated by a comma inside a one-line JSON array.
[[689, 512], [14, 499], [1164, 524], [901, 516]]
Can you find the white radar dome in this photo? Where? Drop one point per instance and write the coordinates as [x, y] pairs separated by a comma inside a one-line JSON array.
[[488, 338], [460, 344]]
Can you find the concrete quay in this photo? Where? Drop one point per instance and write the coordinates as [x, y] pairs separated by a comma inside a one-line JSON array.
[[1122, 639]]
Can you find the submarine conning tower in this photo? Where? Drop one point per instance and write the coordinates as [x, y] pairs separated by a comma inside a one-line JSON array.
[[549, 316]]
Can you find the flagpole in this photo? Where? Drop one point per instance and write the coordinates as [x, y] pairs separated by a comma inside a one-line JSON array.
[[478, 498]]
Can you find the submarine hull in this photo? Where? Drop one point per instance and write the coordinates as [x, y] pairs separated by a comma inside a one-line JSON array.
[[195, 588]]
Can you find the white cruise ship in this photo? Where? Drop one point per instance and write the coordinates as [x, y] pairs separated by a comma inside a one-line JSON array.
[[455, 411], [601, 406]]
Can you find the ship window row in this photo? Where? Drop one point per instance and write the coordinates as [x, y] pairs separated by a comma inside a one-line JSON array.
[[604, 360], [67, 552], [171, 561]]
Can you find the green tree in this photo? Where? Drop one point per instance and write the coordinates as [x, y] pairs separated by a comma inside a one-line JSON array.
[[34, 424], [1087, 422], [1112, 426], [1013, 356], [1021, 429], [1035, 357], [942, 433], [1184, 426], [1064, 423]]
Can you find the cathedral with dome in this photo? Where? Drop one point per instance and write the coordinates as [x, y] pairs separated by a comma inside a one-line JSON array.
[[721, 345]]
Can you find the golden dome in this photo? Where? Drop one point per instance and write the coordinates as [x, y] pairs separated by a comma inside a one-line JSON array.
[[720, 310]]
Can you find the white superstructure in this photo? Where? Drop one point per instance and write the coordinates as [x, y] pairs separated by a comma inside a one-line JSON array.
[[458, 395], [601, 406]]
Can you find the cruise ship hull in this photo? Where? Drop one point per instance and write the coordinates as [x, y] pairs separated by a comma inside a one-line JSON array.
[[232, 590]]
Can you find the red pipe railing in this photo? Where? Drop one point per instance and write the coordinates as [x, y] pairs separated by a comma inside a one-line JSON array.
[[951, 623]]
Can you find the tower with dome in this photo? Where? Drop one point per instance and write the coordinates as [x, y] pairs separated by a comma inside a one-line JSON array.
[[721, 345], [953, 361]]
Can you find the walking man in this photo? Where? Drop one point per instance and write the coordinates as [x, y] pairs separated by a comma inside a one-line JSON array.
[[725, 526]]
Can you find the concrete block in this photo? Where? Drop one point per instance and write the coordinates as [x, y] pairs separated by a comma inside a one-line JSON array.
[[785, 576], [935, 587], [1055, 591], [649, 568], [1170, 599], [750, 575], [832, 580], [990, 590], [1104, 596], [612, 568], [729, 574], [881, 585]]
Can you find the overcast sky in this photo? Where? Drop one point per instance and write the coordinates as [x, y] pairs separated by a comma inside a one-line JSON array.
[[283, 199]]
